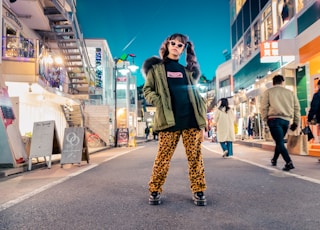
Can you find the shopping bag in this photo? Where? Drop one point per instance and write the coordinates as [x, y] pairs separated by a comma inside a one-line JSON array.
[[307, 131], [304, 145], [297, 144]]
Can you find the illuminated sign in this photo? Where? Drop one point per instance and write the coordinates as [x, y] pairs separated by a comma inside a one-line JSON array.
[[98, 80], [269, 52]]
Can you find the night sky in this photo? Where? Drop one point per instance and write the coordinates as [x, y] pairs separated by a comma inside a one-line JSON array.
[[139, 27]]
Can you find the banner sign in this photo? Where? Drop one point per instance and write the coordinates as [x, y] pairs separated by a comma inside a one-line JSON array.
[[269, 52]]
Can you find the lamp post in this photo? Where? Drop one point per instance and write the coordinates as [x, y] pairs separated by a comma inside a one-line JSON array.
[[258, 79], [132, 92], [115, 101], [125, 72]]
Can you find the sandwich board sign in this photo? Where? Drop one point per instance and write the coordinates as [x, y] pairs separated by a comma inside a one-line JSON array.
[[74, 148], [44, 141]]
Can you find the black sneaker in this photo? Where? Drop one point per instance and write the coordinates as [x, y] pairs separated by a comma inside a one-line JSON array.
[[155, 198], [199, 199], [273, 162], [288, 166]]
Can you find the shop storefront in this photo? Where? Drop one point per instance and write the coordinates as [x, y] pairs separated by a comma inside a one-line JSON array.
[[25, 97], [17, 44], [17, 40], [310, 56]]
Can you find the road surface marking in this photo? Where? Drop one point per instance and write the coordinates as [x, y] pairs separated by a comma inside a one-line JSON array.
[[54, 183], [316, 181]]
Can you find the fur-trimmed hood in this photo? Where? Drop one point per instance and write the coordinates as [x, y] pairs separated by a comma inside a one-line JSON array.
[[147, 65]]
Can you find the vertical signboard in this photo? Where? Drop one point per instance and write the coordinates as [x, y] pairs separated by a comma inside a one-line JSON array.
[[98, 68], [44, 141], [122, 136], [74, 148], [269, 52], [11, 136]]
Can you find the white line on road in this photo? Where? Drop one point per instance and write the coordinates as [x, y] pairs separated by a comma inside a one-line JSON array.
[[120, 154], [50, 185], [316, 181]]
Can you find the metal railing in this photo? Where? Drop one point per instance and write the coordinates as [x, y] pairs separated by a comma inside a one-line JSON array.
[[62, 6]]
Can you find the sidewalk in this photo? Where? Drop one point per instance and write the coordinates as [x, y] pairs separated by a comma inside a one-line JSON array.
[[55, 159], [263, 144]]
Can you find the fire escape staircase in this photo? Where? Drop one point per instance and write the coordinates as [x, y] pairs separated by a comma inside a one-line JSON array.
[[73, 115], [72, 47], [81, 76]]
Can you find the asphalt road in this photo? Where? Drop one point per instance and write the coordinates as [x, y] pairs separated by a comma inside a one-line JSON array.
[[112, 193]]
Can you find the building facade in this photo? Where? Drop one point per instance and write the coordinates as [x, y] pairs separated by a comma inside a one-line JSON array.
[[47, 75], [270, 37]]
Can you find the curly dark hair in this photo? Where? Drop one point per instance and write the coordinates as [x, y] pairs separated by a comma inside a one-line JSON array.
[[191, 59]]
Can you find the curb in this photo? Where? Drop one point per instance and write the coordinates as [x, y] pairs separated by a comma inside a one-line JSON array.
[[266, 146]]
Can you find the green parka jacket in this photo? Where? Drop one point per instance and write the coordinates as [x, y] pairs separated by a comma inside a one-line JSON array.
[[156, 92]]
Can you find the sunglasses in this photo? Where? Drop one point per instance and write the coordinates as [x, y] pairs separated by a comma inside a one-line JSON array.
[[173, 43]]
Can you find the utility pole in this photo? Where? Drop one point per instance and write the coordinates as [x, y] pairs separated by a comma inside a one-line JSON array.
[[115, 102]]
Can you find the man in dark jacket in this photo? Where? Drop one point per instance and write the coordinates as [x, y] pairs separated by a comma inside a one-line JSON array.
[[279, 106], [147, 131], [314, 112]]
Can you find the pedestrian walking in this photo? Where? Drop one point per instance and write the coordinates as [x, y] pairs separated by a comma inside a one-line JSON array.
[[250, 126], [155, 135], [280, 106], [224, 120], [147, 131], [181, 111]]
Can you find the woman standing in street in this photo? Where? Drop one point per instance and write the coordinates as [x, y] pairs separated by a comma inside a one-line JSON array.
[[180, 111], [224, 120]]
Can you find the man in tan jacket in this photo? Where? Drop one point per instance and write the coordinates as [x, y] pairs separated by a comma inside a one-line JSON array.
[[278, 107]]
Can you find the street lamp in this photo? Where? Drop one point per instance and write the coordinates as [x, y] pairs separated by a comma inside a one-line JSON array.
[[258, 79], [132, 67], [115, 69], [125, 72]]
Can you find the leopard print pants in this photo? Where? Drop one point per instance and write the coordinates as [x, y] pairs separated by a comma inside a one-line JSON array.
[[192, 139]]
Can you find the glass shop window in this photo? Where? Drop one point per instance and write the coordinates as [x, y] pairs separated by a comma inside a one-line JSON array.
[[26, 48], [240, 49], [11, 41], [121, 94], [267, 27], [224, 83], [239, 4], [257, 35], [287, 9], [234, 59], [248, 44]]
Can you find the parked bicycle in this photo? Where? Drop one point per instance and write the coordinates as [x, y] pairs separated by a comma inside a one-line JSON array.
[[94, 140]]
